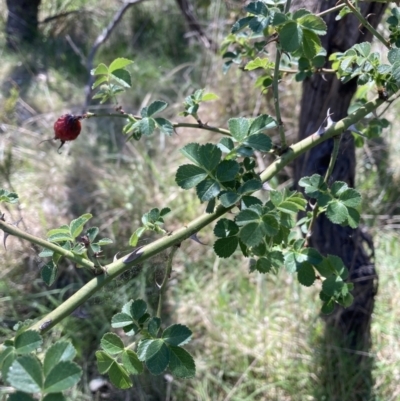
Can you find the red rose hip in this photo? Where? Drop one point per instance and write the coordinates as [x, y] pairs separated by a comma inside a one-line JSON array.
[[67, 128]]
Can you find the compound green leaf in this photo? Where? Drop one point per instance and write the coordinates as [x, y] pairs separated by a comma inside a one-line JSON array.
[[257, 8], [260, 142], [25, 374], [138, 308], [60, 237], [60, 351], [250, 186], [328, 307], [225, 228], [119, 376], [189, 175], [181, 363], [226, 145], [112, 343], [313, 23], [177, 334], [290, 36], [156, 107], [263, 265], [76, 226], [332, 286], [209, 96], [7, 357], [49, 273], [100, 69], [147, 126], [227, 170], [63, 376], [207, 189], [209, 156], [104, 361], [270, 225], [165, 126], [306, 274], [122, 77], [259, 24], [278, 19], [117, 64], [363, 48], [239, 127], [300, 13], [253, 233], [247, 216], [131, 362], [257, 63], [157, 357], [248, 201], [99, 81], [313, 185], [191, 151], [338, 187], [225, 247], [240, 24], [121, 320], [311, 44], [394, 55], [27, 341], [337, 212], [290, 262], [142, 348], [350, 198], [262, 123], [229, 199], [354, 217]]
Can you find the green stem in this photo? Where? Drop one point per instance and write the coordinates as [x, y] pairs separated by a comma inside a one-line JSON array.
[[139, 255], [332, 161], [12, 230], [275, 86], [167, 275], [367, 25], [175, 125]]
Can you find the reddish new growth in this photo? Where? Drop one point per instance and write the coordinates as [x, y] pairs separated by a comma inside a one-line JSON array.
[[67, 128]]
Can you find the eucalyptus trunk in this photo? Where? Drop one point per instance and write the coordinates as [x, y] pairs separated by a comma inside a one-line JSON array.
[[345, 367], [22, 22]]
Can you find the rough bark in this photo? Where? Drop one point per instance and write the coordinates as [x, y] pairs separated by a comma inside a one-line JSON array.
[[22, 22], [348, 329]]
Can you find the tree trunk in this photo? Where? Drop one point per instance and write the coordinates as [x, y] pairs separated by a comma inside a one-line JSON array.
[[22, 22], [347, 331]]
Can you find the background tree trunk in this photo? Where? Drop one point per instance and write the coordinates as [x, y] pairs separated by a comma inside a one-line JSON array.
[[22, 22], [347, 331]]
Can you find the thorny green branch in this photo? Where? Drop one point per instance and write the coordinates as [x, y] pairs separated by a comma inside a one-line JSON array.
[[366, 23], [139, 255], [330, 10], [13, 230]]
